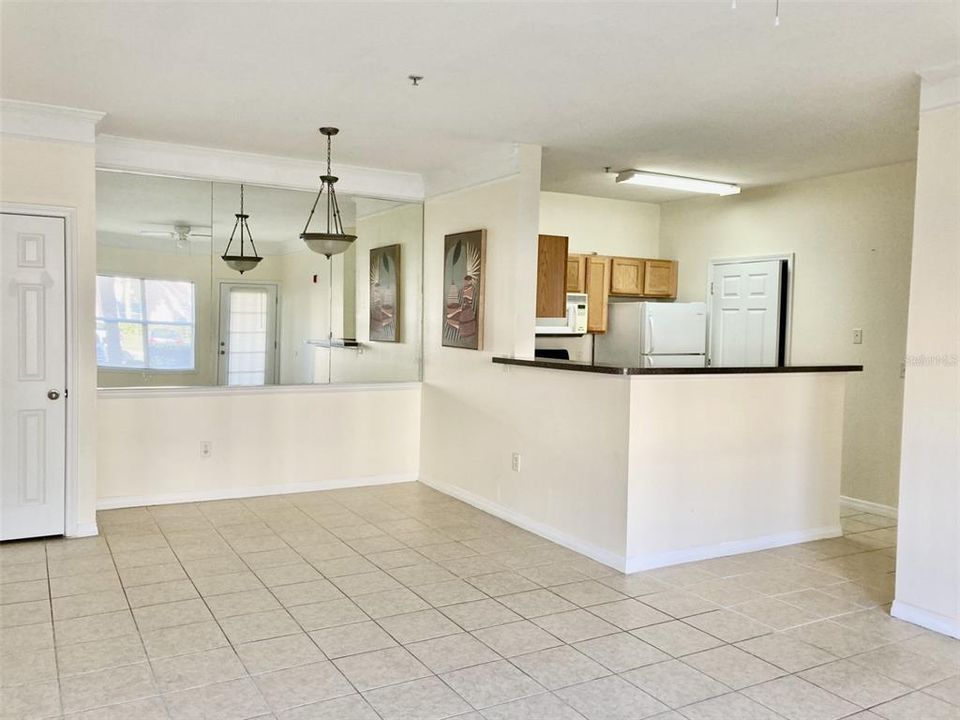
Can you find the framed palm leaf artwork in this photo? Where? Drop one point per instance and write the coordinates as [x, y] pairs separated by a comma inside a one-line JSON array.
[[464, 255], [385, 294]]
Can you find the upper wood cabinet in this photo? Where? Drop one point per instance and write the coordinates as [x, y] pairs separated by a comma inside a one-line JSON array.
[[626, 276], [576, 273], [552, 276], [640, 277], [660, 278], [598, 292]]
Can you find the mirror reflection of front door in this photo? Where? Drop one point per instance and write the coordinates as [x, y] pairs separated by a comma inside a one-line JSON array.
[[247, 344]]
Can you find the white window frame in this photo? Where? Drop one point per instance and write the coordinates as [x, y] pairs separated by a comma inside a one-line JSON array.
[[145, 322]]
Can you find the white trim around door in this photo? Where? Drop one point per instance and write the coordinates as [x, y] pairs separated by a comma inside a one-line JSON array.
[[72, 527]]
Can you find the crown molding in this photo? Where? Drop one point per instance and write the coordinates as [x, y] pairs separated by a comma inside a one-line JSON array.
[[492, 163], [939, 87], [202, 163], [48, 122]]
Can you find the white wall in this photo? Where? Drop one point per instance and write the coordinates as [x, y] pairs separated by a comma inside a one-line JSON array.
[[60, 173], [476, 414], [264, 441], [731, 463], [601, 225], [928, 551], [570, 430], [851, 236]]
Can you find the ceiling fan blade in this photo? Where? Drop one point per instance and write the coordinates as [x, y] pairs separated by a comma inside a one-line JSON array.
[[157, 233]]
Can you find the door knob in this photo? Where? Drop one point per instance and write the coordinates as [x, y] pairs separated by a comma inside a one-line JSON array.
[[53, 394]]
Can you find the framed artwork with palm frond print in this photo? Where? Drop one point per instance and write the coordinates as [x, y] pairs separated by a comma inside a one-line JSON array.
[[464, 271], [385, 294]]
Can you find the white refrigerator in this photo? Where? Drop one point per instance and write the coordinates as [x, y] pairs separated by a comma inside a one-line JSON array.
[[653, 334]]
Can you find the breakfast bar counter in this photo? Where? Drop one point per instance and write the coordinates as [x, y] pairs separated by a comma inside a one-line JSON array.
[[602, 369], [672, 464]]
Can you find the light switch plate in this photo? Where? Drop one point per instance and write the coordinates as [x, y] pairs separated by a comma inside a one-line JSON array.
[[858, 336]]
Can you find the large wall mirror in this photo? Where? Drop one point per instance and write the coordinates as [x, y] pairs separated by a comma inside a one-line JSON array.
[[171, 313]]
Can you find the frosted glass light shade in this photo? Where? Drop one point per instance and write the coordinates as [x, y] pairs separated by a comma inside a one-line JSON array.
[[327, 243], [241, 263]]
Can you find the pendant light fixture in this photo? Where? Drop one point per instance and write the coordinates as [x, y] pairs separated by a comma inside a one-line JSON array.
[[334, 240], [242, 262]]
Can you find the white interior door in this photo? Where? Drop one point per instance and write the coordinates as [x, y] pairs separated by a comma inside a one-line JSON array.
[[745, 300], [248, 334], [34, 371]]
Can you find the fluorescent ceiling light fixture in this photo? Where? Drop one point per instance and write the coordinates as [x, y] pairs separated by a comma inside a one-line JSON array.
[[675, 182]]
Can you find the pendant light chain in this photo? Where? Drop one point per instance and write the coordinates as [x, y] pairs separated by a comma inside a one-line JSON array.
[[333, 240], [242, 218], [242, 262]]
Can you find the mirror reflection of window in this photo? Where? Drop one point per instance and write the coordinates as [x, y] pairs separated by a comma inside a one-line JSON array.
[[170, 312], [145, 323], [154, 281]]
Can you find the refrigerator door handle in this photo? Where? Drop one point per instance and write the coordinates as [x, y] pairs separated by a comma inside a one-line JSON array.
[[649, 342]]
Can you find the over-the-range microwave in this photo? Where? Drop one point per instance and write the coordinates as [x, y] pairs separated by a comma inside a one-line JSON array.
[[575, 322]]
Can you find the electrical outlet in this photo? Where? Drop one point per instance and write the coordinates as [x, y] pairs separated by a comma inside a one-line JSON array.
[[206, 449], [858, 336], [515, 462]]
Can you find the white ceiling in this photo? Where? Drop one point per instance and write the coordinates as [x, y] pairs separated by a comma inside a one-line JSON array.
[[692, 88]]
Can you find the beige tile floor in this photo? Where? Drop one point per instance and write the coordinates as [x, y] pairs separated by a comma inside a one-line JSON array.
[[398, 602]]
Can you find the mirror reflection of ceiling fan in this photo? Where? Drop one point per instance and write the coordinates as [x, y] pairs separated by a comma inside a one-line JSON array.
[[183, 234]]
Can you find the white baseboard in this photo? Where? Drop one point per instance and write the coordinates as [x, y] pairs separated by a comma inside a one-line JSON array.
[[733, 547], [617, 562], [639, 562], [112, 503], [925, 618], [88, 529], [868, 507]]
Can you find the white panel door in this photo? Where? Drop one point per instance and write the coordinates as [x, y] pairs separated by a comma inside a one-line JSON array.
[[248, 334], [745, 314], [34, 372]]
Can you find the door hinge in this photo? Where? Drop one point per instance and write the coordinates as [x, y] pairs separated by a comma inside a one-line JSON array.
[[711, 288], [66, 393]]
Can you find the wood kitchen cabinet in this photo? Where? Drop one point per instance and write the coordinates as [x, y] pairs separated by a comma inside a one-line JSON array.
[[626, 276], [660, 278], [552, 276], [598, 292], [576, 273], [641, 277]]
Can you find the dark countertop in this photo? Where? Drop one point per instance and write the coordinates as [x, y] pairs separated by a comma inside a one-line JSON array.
[[615, 370]]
